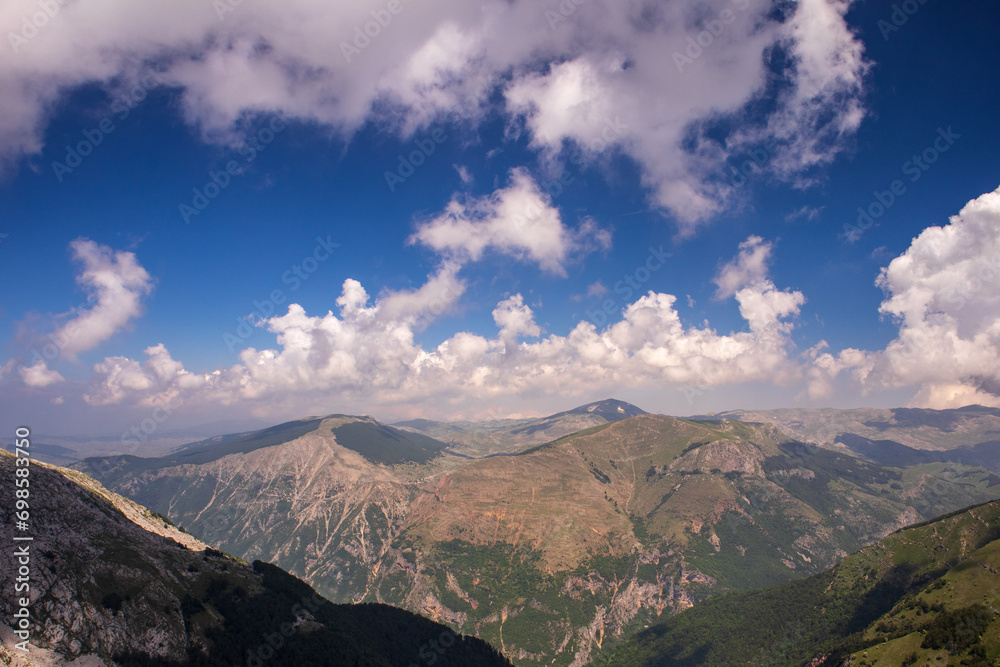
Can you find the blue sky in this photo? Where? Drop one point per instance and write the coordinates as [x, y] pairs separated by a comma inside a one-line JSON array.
[[481, 266]]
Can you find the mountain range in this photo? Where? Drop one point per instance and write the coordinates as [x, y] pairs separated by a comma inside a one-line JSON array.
[[916, 428], [118, 584], [548, 538], [505, 436], [62, 450]]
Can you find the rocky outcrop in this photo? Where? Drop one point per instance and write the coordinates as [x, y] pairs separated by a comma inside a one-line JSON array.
[[99, 575]]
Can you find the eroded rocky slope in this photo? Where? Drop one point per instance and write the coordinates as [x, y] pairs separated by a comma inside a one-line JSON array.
[[553, 552], [112, 583]]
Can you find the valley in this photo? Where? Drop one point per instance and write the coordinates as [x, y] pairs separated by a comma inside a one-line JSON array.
[[386, 333], [554, 551], [925, 595]]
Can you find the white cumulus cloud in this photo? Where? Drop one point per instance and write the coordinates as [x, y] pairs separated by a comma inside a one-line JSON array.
[[943, 293], [115, 284], [519, 221], [367, 353], [40, 375], [651, 79], [747, 269]]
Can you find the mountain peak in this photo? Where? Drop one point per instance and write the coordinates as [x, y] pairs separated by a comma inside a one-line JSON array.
[[610, 409]]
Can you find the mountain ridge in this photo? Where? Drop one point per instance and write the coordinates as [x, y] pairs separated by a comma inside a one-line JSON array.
[[509, 436], [917, 428], [548, 551]]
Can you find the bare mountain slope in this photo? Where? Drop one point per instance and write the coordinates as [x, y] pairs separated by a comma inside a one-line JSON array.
[[114, 584], [547, 552]]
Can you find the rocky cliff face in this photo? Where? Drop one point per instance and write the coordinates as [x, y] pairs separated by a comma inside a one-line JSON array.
[[552, 553], [81, 597], [113, 583]]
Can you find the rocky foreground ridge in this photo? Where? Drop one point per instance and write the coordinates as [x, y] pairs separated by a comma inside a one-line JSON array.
[[113, 583]]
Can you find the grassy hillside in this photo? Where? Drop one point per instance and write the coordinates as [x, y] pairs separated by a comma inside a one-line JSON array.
[[924, 595], [387, 445]]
